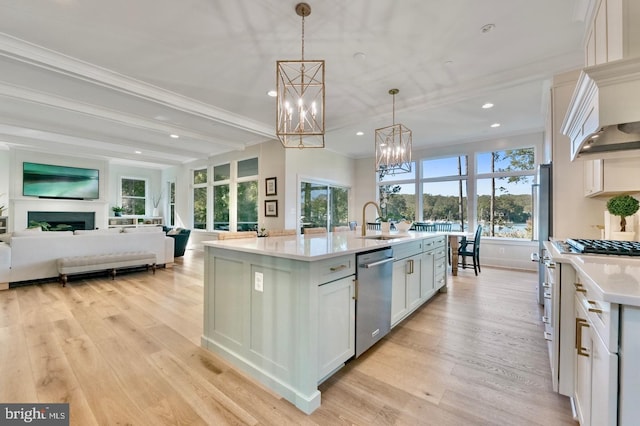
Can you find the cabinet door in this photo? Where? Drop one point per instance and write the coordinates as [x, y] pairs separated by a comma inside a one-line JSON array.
[[399, 306], [582, 376], [427, 285], [604, 380], [593, 177], [336, 324], [413, 277]]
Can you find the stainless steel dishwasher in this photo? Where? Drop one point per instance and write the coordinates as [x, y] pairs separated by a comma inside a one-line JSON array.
[[373, 297]]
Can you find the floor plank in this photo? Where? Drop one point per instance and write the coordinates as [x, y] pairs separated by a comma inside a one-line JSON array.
[[127, 351]]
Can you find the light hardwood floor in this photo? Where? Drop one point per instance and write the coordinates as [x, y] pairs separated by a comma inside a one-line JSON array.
[[128, 352]]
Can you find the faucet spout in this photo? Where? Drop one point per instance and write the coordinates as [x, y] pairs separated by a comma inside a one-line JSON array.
[[364, 208]]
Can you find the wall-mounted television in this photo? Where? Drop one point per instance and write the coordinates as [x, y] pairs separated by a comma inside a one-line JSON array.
[[51, 181]]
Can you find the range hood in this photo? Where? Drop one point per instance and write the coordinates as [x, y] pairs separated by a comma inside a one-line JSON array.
[[604, 114]]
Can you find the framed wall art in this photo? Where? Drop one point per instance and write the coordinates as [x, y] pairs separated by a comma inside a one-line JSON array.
[[271, 208], [271, 186]]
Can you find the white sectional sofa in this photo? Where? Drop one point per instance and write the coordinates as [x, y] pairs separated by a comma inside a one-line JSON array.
[[33, 255]]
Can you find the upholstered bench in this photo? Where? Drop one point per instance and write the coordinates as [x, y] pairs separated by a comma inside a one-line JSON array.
[[104, 262]]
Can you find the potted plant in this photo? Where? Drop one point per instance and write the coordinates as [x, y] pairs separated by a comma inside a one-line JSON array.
[[623, 206], [117, 211], [385, 224]]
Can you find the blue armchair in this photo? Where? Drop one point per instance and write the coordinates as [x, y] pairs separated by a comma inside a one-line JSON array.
[[180, 239]]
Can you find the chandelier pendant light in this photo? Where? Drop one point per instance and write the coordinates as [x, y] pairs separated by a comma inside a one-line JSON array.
[[393, 145], [300, 98]]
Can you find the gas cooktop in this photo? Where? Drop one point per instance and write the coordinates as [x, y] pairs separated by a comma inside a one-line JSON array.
[[601, 247]]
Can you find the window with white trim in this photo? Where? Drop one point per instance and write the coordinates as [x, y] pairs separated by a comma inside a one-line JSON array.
[[133, 196]]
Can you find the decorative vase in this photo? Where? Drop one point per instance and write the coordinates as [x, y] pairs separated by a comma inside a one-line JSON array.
[[117, 214], [155, 212], [385, 227]]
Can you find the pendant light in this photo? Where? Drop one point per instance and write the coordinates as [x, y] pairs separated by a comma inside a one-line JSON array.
[[393, 145], [300, 98]]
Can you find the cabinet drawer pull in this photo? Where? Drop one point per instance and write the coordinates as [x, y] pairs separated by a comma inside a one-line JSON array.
[[548, 336], [579, 324], [338, 268], [595, 310], [547, 295], [581, 290], [546, 285], [545, 320]]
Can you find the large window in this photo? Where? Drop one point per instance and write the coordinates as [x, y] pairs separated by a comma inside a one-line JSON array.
[[171, 189], [221, 195], [234, 196], [444, 191], [200, 199], [247, 189], [397, 192], [504, 207], [323, 205], [133, 195]]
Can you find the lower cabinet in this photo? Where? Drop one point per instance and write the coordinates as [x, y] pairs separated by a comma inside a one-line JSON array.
[[405, 287], [418, 273], [596, 376], [336, 325]]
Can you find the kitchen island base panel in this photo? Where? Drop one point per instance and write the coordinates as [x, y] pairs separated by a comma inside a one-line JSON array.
[[307, 403]]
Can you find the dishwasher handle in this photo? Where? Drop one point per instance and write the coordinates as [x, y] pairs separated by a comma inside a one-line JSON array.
[[379, 262]]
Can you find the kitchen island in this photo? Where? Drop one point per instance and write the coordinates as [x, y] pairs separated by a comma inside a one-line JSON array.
[[596, 333], [282, 309]]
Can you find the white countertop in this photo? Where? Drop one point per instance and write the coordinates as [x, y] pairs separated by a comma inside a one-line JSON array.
[[616, 278], [317, 246]]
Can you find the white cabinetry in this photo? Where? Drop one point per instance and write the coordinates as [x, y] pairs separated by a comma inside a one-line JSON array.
[[596, 357], [611, 176], [613, 35], [405, 286], [336, 325], [434, 266], [418, 273]]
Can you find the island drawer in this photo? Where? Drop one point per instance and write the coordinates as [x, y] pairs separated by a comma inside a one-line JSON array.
[[400, 251], [434, 243], [602, 315], [334, 268]]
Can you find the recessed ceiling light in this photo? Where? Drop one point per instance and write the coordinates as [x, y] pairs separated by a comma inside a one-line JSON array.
[[138, 152], [486, 28], [174, 136], [449, 62], [272, 93], [495, 125], [359, 133], [487, 105], [359, 56]]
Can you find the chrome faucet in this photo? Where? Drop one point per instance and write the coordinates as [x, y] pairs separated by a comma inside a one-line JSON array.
[[364, 223]]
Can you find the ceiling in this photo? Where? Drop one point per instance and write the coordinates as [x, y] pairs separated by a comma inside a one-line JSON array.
[[108, 78]]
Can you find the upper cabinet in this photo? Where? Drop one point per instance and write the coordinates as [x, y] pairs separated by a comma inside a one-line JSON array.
[[612, 34], [611, 176]]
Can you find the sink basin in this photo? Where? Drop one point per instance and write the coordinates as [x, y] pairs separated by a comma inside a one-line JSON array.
[[384, 237]]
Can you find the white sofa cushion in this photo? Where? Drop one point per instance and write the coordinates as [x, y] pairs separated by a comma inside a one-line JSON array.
[[142, 229], [41, 234], [35, 256], [97, 231]]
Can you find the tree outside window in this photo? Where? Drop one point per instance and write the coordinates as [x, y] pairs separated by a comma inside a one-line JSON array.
[[200, 199], [505, 202], [133, 193]]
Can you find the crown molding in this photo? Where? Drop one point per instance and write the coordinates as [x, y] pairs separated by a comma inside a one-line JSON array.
[[34, 55]]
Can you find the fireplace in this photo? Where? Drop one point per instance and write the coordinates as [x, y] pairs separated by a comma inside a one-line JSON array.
[[73, 220]]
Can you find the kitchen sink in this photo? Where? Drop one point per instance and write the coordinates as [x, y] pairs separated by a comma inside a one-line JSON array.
[[384, 237]]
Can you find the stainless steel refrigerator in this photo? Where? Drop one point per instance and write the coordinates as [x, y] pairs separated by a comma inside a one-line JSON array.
[[542, 219]]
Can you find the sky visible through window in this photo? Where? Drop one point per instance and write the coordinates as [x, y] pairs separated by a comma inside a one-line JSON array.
[[448, 167]]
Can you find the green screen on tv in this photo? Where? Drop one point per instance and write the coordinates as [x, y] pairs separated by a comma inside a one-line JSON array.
[[51, 181]]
